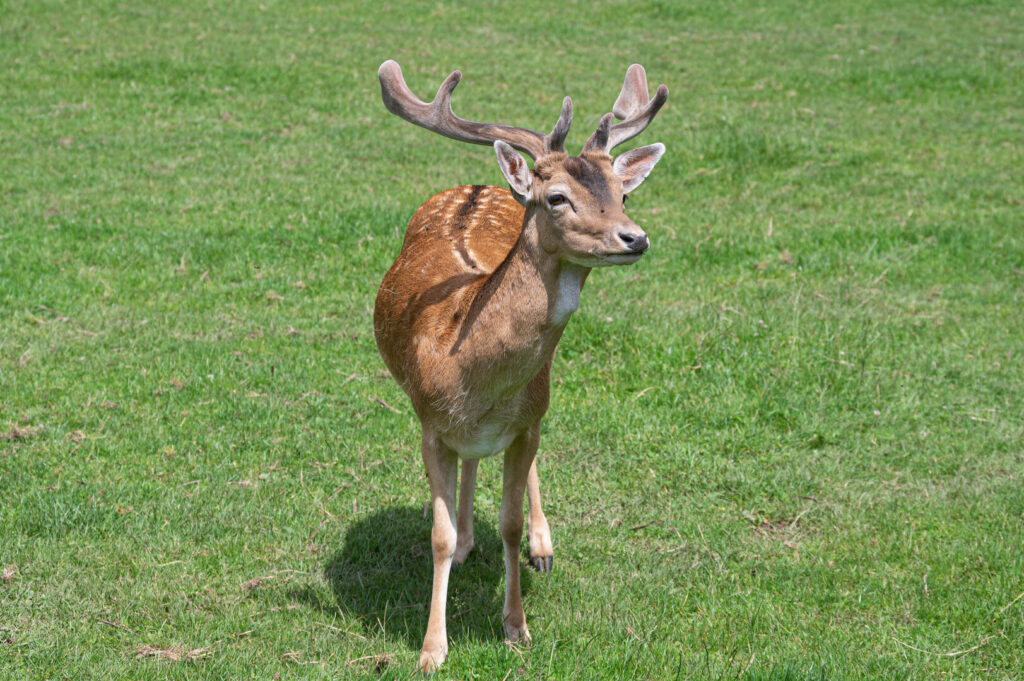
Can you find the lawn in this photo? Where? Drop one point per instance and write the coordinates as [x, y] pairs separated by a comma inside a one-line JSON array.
[[787, 445]]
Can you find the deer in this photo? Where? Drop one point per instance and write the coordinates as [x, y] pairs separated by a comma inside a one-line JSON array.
[[468, 317]]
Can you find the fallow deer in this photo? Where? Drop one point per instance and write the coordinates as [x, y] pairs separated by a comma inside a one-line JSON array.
[[468, 316]]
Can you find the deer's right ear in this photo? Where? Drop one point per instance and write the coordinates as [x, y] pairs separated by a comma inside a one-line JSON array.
[[514, 168]]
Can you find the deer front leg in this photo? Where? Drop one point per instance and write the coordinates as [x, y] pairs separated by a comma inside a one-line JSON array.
[[467, 485], [518, 460], [441, 463], [537, 530]]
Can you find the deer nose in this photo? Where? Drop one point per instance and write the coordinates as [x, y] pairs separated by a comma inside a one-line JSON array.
[[637, 242]]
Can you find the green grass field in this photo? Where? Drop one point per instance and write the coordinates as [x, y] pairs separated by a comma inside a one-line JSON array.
[[787, 445]]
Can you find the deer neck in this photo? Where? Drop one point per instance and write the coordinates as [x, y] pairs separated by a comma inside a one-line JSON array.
[[544, 287], [555, 284], [526, 303]]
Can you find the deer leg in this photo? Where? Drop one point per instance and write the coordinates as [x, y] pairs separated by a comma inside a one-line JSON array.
[[441, 463], [537, 530], [467, 485], [518, 460]]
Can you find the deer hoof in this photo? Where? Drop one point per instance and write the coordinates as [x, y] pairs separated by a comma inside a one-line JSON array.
[[541, 551], [517, 633], [461, 552], [432, 659]]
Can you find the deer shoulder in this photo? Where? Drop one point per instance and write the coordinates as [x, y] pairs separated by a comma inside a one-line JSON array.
[[434, 293]]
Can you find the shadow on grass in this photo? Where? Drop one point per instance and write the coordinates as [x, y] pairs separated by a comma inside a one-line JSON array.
[[383, 573]]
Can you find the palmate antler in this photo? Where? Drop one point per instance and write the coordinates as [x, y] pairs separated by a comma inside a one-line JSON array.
[[633, 107], [438, 116]]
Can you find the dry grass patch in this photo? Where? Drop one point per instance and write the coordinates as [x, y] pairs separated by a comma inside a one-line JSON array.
[[174, 653]]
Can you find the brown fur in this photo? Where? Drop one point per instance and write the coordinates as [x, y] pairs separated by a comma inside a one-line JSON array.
[[433, 297], [469, 315]]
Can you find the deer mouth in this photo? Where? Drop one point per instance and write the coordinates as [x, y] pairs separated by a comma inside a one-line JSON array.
[[627, 258]]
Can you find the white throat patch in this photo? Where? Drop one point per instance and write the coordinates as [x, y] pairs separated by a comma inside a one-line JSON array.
[[570, 280]]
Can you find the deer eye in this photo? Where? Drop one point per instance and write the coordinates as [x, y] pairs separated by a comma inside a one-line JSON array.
[[624, 197], [556, 200]]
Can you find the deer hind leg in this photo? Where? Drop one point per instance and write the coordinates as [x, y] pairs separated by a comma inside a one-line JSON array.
[[518, 460], [538, 532], [467, 485], [442, 466]]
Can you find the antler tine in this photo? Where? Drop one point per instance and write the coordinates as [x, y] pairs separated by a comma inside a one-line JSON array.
[[556, 140], [635, 124], [599, 140], [438, 117], [634, 107], [633, 96]]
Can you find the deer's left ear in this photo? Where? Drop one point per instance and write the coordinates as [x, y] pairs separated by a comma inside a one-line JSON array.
[[514, 168], [636, 164]]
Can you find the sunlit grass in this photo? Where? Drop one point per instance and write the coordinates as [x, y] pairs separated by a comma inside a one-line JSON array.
[[786, 445]]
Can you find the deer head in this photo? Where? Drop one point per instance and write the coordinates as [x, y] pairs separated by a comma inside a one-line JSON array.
[[576, 203]]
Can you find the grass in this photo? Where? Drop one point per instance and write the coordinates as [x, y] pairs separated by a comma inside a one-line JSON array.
[[786, 446]]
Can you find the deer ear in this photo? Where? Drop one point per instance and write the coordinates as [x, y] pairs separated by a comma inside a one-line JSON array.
[[514, 168], [636, 164]]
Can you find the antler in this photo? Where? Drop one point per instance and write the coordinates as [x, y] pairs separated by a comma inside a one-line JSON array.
[[633, 107], [438, 116]]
